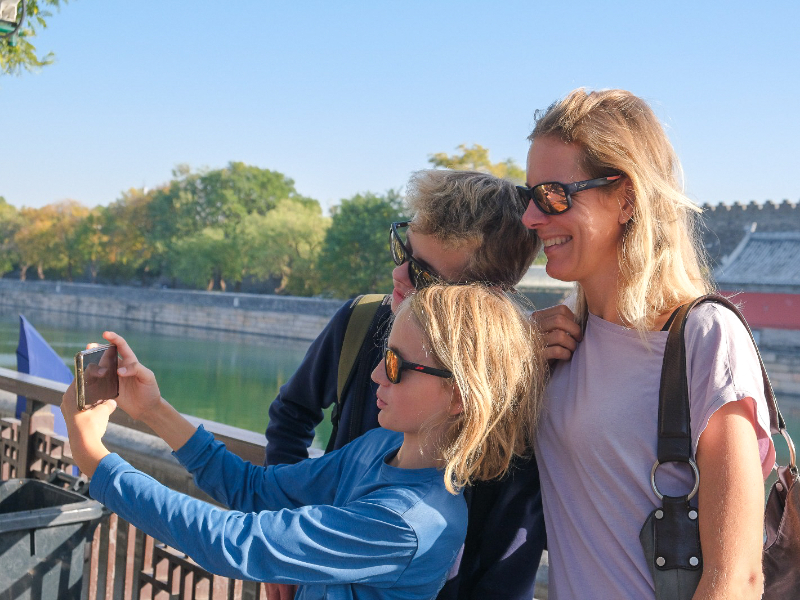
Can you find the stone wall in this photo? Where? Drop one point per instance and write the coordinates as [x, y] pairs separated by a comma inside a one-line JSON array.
[[725, 224], [276, 316]]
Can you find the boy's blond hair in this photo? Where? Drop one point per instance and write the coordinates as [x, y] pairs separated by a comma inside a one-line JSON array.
[[497, 359], [466, 208]]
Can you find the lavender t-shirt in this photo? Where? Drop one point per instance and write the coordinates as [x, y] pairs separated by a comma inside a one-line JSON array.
[[597, 444]]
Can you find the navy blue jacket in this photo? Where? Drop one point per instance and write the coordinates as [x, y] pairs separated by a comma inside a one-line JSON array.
[[505, 534]]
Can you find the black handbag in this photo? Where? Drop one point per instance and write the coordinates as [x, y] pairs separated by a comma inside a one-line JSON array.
[[670, 536]]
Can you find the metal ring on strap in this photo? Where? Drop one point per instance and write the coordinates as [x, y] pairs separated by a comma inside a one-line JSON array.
[[792, 453], [696, 479]]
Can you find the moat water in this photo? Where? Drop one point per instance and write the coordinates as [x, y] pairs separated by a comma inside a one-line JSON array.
[[225, 377]]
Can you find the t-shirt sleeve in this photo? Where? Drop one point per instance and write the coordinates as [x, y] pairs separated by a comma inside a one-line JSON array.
[[363, 541], [722, 366], [243, 486]]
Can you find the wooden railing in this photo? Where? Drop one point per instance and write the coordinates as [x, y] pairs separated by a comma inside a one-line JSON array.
[[122, 561]]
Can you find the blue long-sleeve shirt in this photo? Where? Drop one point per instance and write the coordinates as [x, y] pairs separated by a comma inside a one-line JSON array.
[[344, 526], [506, 525]]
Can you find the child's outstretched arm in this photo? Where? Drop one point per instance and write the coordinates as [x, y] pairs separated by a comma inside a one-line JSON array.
[[139, 396]]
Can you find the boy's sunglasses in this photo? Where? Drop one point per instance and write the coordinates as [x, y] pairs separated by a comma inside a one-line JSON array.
[[553, 198], [419, 275], [395, 365]]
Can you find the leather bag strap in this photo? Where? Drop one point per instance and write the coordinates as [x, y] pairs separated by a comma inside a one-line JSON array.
[[674, 422]]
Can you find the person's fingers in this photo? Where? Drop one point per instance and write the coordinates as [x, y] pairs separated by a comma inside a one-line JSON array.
[[69, 405], [124, 351], [552, 353], [280, 591], [104, 408], [138, 371], [559, 337]]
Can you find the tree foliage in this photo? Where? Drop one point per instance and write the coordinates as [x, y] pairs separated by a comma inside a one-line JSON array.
[[355, 256], [286, 244], [218, 229], [23, 55], [10, 222], [476, 158]]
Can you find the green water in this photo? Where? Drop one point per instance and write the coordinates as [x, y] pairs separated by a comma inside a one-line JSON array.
[[223, 377]]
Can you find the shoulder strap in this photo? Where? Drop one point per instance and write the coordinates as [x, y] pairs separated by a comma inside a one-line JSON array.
[[363, 311], [674, 427]]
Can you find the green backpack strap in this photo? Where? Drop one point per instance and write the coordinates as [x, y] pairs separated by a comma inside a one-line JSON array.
[[362, 312], [364, 309]]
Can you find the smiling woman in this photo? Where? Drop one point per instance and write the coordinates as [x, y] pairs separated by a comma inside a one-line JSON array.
[[621, 228]]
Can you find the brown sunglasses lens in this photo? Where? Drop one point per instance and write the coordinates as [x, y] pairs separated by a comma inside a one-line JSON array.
[[398, 252], [551, 198], [392, 366], [420, 278]]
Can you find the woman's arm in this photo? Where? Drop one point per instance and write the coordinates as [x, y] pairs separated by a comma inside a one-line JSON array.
[[731, 505]]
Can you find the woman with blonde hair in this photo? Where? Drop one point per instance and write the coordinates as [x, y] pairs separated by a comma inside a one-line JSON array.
[[383, 517], [604, 196]]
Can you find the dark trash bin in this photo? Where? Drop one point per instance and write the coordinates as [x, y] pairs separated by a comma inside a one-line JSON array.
[[43, 534]]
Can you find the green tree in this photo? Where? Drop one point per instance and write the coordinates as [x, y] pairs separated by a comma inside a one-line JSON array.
[[10, 222], [50, 239], [476, 158], [208, 258], [286, 243], [127, 252], [23, 55], [355, 256], [212, 200]]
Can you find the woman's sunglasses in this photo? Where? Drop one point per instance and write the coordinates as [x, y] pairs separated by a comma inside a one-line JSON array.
[[419, 275], [395, 365], [553, 198]]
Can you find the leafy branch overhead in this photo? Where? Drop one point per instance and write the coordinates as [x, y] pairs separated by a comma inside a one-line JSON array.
[[23, 56], [476, 158]]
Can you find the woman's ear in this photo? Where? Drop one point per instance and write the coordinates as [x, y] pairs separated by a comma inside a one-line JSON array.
[[626, 203]]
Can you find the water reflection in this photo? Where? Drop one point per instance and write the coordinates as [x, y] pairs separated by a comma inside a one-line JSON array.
[[226, 377]]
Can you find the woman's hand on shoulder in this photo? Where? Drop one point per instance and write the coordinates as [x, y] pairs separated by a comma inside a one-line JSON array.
[[561, 332]]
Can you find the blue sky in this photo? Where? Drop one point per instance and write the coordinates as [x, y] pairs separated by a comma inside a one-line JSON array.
[[352, 96]]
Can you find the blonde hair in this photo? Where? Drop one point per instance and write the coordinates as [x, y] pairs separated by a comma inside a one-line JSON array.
[[662, 263], [461, 208], [497, 359]]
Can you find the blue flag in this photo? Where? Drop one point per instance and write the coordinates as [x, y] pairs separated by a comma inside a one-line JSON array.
[[36, 357]]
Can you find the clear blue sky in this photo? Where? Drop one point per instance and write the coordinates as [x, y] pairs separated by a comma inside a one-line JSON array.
[[352, 96]]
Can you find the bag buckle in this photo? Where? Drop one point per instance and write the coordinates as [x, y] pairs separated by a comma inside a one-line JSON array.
[[696, 477]]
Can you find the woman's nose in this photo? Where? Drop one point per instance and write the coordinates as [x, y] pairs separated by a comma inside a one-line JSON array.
[[533, 217]]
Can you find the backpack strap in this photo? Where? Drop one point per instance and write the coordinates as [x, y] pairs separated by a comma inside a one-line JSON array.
[[362, 313]]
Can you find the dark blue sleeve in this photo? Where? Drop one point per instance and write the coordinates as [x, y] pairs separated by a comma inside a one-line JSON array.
[[297, 410], [505, 539]]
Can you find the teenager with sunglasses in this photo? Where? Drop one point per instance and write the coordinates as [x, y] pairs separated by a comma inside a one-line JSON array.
[[464, 226], [460, 386], [604, 197]]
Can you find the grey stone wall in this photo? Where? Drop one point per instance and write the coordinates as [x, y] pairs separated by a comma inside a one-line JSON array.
[[725, 224], [277, 316]]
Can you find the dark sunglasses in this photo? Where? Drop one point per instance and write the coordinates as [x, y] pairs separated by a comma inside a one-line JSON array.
[[553, 198], [419, 275], [395, 365]]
